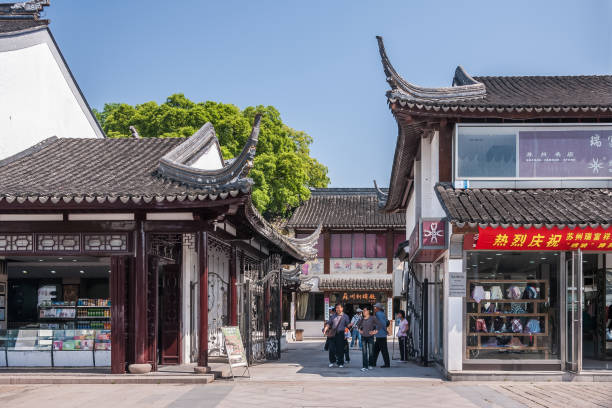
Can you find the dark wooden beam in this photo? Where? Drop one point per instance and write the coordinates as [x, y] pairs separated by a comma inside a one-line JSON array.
[[119, 317], [326, 252], [202, 366], [233, 290], [67, 226], [139, 300], [390, 251], [445, 151]]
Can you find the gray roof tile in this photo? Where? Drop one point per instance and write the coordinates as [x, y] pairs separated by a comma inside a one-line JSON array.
[[344, 208]]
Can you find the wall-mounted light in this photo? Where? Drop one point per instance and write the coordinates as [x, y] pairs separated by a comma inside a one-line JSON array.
[[53, 272]]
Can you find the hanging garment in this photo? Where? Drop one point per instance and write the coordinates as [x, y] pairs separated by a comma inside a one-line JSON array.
[[481, 326], [533, 326], [517, 326], [478, 293], [530, 292], [490, 307], [496, 293], [498, 325], [514, 292], [517, 308]]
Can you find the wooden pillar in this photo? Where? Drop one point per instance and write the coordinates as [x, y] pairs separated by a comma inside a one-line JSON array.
[[233, 290], [445, 152], [390, 250], [139, 303], [326, 252], [118, 295], [202, 366]]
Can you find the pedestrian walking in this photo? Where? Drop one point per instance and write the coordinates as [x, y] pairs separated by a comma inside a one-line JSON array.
[[332, 310], [347, 336], [356, 337], [380, 342], [368, 327], [334, 328], [402, 335]]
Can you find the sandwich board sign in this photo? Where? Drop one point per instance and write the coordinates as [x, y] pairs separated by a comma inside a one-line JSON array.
[[236, 354]]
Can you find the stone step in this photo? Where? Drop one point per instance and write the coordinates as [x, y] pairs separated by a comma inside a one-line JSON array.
[[106, 379]]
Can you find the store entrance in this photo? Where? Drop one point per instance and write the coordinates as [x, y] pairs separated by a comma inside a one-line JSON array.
[[597, 312], [55, 312]]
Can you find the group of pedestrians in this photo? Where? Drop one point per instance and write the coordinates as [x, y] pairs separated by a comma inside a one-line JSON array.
[[369, 329]]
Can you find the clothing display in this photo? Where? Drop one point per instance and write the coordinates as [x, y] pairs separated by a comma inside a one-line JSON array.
[[514, 292], [533, 326], [517, 326], [517, 308], [478, 293], [496, 293]]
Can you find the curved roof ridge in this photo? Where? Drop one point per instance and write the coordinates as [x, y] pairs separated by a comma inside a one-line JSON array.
[[175, 165], [465, 87]]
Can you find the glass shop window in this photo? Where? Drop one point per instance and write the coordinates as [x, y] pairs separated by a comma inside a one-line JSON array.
[[486, 152], [512, 305]]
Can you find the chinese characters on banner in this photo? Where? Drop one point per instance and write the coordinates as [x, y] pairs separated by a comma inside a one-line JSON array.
[[543, 239], [565, 153], [360, 297]]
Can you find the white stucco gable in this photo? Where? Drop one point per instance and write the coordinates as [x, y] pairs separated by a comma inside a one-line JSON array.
[[39, 96]]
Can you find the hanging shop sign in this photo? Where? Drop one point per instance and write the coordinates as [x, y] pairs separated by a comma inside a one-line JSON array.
[[427, 240], [543, 239]]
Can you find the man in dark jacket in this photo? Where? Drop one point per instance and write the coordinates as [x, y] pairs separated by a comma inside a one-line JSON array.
[[380, 342]]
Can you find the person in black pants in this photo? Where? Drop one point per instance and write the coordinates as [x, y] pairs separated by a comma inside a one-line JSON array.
[[335, 326], [402, 333], [380, 342]]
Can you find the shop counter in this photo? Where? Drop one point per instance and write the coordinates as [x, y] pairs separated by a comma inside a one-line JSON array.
[[55, 348]]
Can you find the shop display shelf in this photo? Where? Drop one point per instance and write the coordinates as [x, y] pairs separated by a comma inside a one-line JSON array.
[[502, 314], [508, 301], [476, 308], [93, 307], [487, 334], [93, 318]]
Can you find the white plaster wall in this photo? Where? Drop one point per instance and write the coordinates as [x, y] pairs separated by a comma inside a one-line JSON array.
[[453, 321], [188, 274], [429, 177], [210, 160], [410, 215], [36, 101]]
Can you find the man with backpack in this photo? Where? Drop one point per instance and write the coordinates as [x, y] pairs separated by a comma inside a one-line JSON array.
[[380, 342]]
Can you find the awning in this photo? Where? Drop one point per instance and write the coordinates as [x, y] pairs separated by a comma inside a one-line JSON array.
[[356, 284], [526, 207]]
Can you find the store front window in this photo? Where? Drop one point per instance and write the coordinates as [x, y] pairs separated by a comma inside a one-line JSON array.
[[55, 312], [512, 305]]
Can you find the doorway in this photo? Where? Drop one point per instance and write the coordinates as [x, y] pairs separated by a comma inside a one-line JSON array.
[[596, 312]]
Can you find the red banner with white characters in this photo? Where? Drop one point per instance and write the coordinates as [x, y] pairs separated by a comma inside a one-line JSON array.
[[544, 239]]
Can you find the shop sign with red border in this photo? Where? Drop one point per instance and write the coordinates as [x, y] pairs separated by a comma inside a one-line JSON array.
[[544, 239]]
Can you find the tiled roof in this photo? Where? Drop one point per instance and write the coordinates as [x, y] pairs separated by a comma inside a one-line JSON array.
[[491, 94], [95, 169], [14, 25], [344, 208], [534, 206], [355, 283]]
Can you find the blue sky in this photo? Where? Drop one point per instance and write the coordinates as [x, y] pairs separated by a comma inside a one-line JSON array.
[[317, 61]]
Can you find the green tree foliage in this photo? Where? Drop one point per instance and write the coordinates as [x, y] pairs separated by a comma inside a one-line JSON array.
[[283, 170]]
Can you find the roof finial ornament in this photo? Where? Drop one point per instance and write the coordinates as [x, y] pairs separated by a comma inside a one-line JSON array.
[[134, 132], [465, 87], [381, 195], [24, 9]]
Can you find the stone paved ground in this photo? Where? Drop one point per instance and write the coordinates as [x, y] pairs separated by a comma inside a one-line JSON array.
[[302, 379]]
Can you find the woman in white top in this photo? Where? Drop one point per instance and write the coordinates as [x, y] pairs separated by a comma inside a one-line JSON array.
[[402, 333]]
